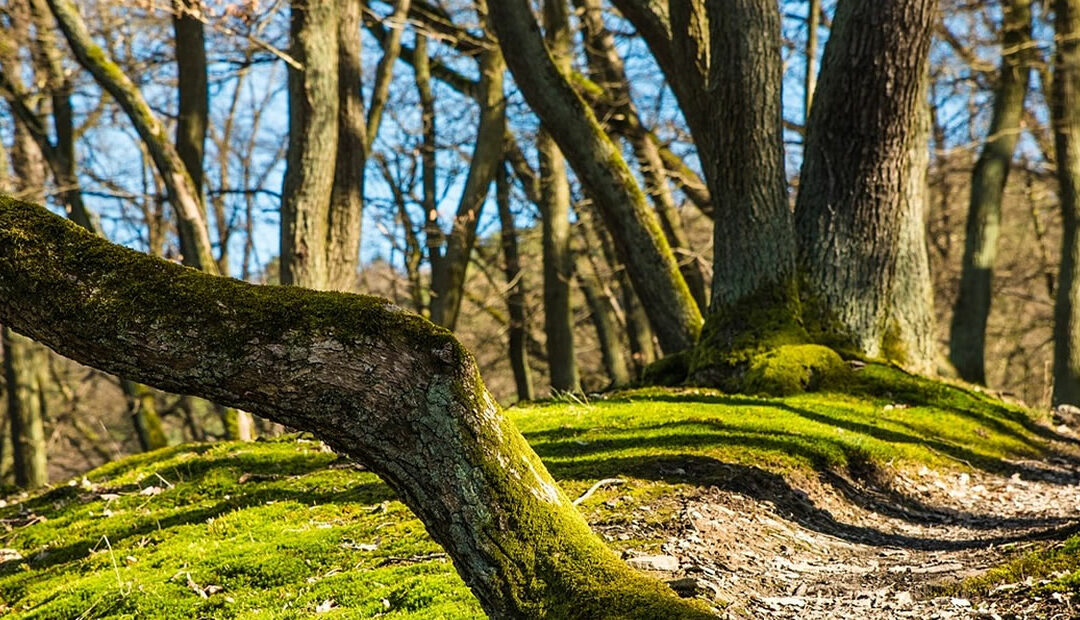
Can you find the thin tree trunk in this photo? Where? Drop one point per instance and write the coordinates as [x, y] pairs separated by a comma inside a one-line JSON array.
[[967, 338], [604, 175], [607, 70], [515, 297], [607, 332], [855, 189], [313, 143], [183, 194], [555, 223], [23, 360], [346, 214], [813, 22], [1065, 111], [382, 385], [433, 237], [144, 416], [449, 279]]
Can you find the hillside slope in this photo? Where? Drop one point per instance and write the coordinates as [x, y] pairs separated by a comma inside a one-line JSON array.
[[881, 499]]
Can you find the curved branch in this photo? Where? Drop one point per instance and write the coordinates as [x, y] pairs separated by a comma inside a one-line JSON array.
[[374, 381]]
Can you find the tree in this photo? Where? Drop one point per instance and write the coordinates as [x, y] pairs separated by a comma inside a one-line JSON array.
[[859, 189], [184, 195], [1065, 111], [967, 338], [604, 174], [372, 380], [555, 222]]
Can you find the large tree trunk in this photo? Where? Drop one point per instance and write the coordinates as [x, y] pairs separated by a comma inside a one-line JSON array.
[[1065, 110], [724, 65], [967, 338], [374, 381], [855, 189], [603, 173], [515, 297], [555, 223], [184, 196]]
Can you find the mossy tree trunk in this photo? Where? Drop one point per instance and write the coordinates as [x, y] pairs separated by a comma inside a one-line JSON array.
[[855, 192], [603, 173], [554, 207], [1065, 110], [184, 195], [374, 381], [967, 338], [515, 297], [607, 70], [603, 319]]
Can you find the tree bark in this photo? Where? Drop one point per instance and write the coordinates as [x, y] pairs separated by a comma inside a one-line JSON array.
[[23, 362], [313, 143], [346, 212], [515, 297], [1065, 111], [183, 194], [554, 207], [723, 63], [372, 380], [607, 332], [967, 338], [855, 190], [603, 173]]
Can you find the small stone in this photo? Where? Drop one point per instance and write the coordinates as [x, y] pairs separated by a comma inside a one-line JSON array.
[[664, 563]]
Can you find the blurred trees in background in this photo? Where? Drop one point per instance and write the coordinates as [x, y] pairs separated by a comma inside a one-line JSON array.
[[576, 200]]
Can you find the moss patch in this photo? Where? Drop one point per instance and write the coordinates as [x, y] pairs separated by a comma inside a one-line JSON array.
[[791, 369]]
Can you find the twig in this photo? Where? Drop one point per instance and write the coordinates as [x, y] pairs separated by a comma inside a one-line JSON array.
[[593, 488]]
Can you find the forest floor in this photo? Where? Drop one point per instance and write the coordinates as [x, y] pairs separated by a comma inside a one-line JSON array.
[[900, 497]]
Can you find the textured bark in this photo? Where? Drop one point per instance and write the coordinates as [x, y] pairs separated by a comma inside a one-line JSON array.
[[1065, 110], [313, 143], [603, 173], [967, 338], [183, 194], [346, 214], [515, 297], [855, 182], [724, 65], [374, 381], [554, 207], [194, 99], [448, 279]]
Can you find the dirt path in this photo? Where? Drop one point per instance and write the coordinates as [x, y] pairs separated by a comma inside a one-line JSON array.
[[833, 548]]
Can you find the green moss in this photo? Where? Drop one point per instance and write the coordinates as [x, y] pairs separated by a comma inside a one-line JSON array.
[[667, 371], [1055, 568], [792, 369]]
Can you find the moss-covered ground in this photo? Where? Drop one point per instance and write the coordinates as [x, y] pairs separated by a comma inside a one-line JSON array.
[[285, 529]]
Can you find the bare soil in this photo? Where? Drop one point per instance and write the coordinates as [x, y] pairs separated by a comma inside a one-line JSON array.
[[882, 544]]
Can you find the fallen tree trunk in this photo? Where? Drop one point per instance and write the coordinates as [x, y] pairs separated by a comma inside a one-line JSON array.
[[372, 380]]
